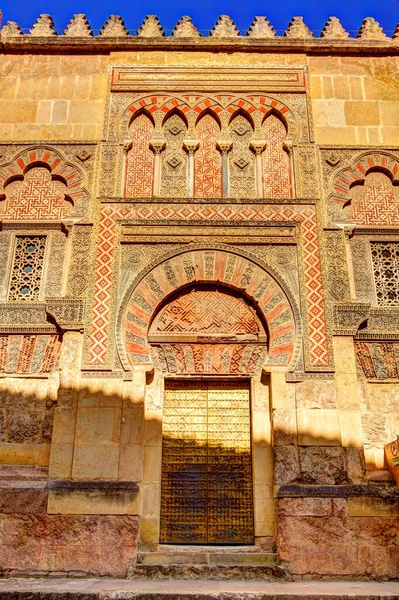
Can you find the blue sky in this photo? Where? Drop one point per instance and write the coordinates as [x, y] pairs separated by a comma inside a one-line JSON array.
[[206, 12]]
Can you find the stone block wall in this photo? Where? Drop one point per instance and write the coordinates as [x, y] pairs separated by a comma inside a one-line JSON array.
[[89, 412]]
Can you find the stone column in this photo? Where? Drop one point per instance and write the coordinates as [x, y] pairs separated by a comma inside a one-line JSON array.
[[191, 146], [258, 146], [157, 145], [224, 145], [127, 146], [348, 251]]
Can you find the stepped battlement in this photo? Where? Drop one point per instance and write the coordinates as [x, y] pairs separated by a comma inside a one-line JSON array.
[[225, 32]]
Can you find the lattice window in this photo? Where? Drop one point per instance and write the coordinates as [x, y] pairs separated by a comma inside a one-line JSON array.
[[27, 268], [385, 256]]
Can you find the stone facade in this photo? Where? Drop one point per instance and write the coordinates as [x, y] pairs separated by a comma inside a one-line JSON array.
[[206, 209]]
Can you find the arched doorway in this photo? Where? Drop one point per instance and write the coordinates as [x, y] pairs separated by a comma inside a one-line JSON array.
[[206, 490], [208, 320]]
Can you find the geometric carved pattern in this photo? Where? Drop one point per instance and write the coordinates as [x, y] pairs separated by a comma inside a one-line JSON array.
[[385, 257], [29, 353], [194, 106], [191, 267], [379, 199], [206, 312], [208, 162], [213, 359], [378, 360], [338, 283], [206, 489], [374, 203], [27, 268], [47, 202], [215, 316], [139, 163], [38, 196], [276, 165], [306, 215], [174, 159], [241, 159]]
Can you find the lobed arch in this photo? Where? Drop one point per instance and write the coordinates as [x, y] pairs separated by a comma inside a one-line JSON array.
[[212, 113], [193, 106], [355, 174], [59, 168], [243, 113], [177, 110], [209, 264]]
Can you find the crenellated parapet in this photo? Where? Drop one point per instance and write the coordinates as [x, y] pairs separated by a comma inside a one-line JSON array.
[[225, 32]]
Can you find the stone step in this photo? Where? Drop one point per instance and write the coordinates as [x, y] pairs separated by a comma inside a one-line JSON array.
[[63, 588], [207, 557], [210, 572]]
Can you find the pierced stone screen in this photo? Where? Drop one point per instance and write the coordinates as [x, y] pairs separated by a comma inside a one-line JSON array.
[[385, 257], [27, 268]]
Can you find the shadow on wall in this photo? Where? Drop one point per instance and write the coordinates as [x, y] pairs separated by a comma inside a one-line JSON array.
[[106, 437]]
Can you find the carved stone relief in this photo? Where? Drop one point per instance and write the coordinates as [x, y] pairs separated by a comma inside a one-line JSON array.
[[241, 159], [337, 274], [362, 269], [56, 264], [174, 159], [80, 261]]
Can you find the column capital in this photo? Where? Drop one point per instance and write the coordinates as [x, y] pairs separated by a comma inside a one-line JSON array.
[[157, 145], [191, 145], [258, 146], [224, 145]]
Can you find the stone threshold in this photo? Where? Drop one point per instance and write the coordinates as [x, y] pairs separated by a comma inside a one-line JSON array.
[[206, 556], [120, 589]]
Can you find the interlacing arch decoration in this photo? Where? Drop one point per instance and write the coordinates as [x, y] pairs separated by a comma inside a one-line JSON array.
[[355, 174], [60, 171], [201, 264], [193, 106], [196, 112]]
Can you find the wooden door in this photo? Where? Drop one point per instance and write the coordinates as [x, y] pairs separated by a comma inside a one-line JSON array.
[[206, 492]]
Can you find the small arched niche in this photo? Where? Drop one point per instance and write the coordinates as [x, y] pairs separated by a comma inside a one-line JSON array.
[[374, 201], [207, 329]]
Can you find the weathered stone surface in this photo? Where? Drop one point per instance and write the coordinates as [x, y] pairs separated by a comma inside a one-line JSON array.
[[284, 426], [2, 426], [151, 27], [95, 545], [375, 430], [209, 572], [261, 28], [114, 26], [304, 507], [298, 29], [316, 394], [23, 501], [225, 28], [24, 427], [340, 547], [185, 28], [356, 465], [333, 30], [322, 465], [286, 464]]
